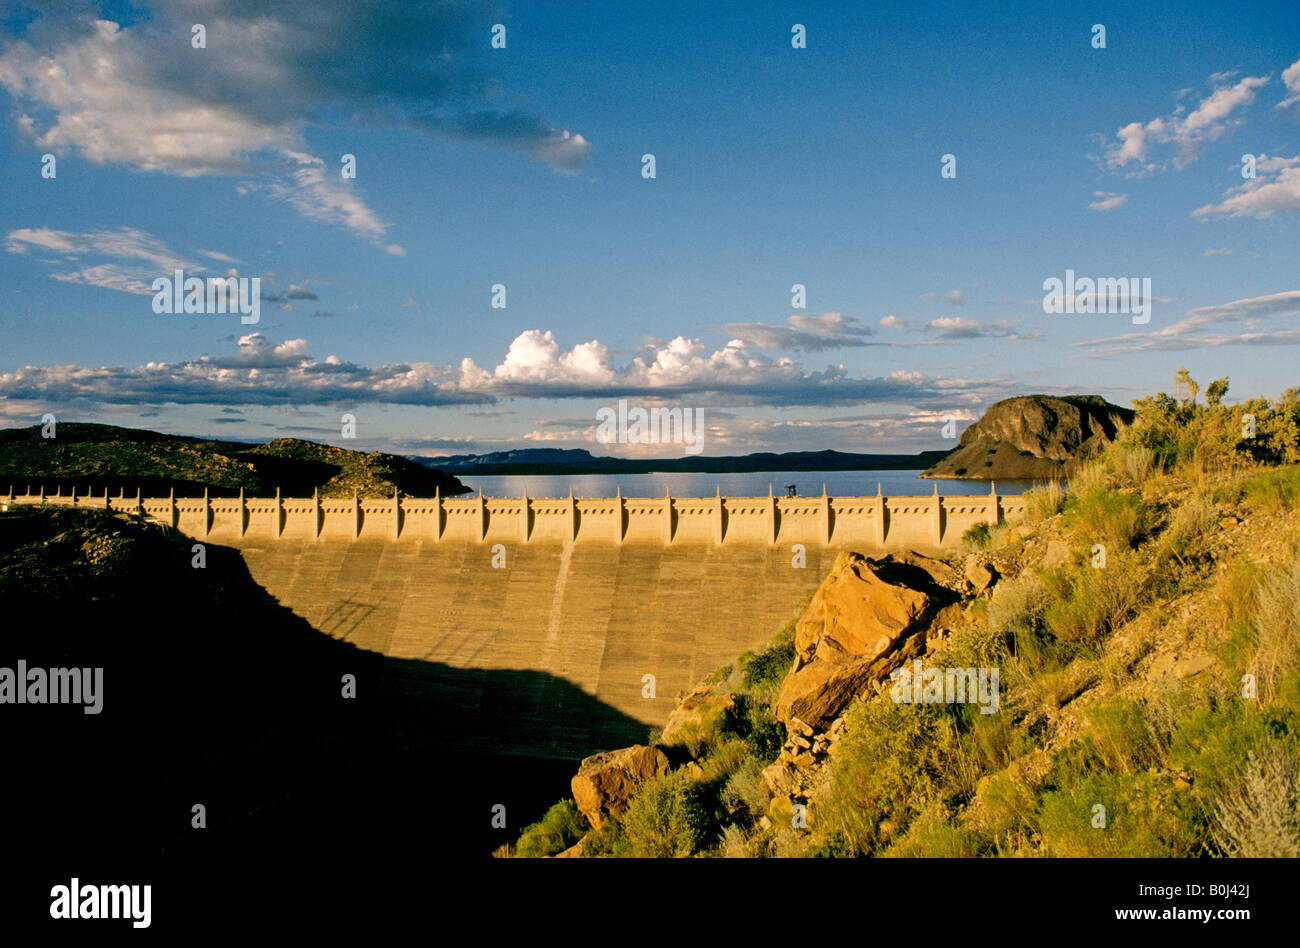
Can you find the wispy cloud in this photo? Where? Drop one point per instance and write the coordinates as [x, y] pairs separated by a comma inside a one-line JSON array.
[[219, 257], [959, 327], [1106, 201], [128, 259], [806, 333], [294, 292], [1267, 320], [1291, 78], [1136, 145], [325, 196], [1274, 190]]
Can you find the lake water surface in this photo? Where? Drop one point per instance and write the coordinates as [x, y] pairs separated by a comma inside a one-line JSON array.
[[807, 483]]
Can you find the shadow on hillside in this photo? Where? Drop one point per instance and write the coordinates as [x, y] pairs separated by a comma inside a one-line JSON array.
[[214, 694]]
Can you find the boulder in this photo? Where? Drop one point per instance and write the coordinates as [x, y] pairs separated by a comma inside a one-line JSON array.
[[857, 614], [939, 572], [1057, 553], [576, 851], [795, 726], [981, 576], [606, 781], [780, 779], [695, 713], [781, 811], [858, 627]]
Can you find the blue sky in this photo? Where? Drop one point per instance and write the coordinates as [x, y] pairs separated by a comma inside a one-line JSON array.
[[522, 166]]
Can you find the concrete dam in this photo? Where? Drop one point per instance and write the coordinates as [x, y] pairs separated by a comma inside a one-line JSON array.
[[624, 601]]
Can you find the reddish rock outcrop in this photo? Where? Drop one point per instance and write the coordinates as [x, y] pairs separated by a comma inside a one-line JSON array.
[[606, 781], [858, 627]]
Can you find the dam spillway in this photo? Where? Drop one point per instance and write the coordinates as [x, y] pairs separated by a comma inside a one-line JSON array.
[[592, 594]]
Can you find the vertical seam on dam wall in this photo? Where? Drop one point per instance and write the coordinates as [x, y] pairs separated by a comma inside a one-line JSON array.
[[557, 609]]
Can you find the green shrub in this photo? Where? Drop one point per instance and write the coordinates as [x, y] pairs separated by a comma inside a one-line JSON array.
[[609, 841], [736, 843], [560, 828], [892, 761], [989, 738], [1018, 614], [1135, 463], [744, 794], [1018, 607], [1093, 602], [1115, 519], [1008, 808], [932, 836], [1214, 742], [1144, 816], [668, 816], [763, 669], [977, 644], [723, 759], [977, 537], [833, 845], [1274, 490], [1123, 740], [700, 737], [755, 723], [719, 675]]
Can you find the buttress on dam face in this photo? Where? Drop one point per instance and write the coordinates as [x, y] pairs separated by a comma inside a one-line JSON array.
[[630, 599]]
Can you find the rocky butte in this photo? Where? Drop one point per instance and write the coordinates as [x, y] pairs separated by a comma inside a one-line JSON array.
[[1034, 437]]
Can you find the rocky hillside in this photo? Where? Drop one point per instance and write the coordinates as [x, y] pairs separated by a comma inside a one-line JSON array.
[[1036, 437], [1117, 675], [99, 456]]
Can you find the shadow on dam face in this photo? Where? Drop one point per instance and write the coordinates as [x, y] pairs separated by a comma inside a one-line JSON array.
[[215, 695], [610, 620]]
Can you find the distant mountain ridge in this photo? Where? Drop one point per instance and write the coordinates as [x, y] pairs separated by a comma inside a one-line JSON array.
[[94, 456], [1034, 437], [558, 461]]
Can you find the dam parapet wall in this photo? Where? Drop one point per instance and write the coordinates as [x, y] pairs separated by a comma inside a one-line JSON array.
[[877, 522]]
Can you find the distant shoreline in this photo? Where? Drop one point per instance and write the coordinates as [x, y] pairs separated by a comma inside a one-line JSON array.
[[513, 464]]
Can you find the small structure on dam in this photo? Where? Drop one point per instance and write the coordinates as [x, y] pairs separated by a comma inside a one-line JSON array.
[[630, 599]]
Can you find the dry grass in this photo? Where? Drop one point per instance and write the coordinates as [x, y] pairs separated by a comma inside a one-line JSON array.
[[1136, 464], [1260, 817], [1277, 627], [1091, 476], [1044, 501]]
